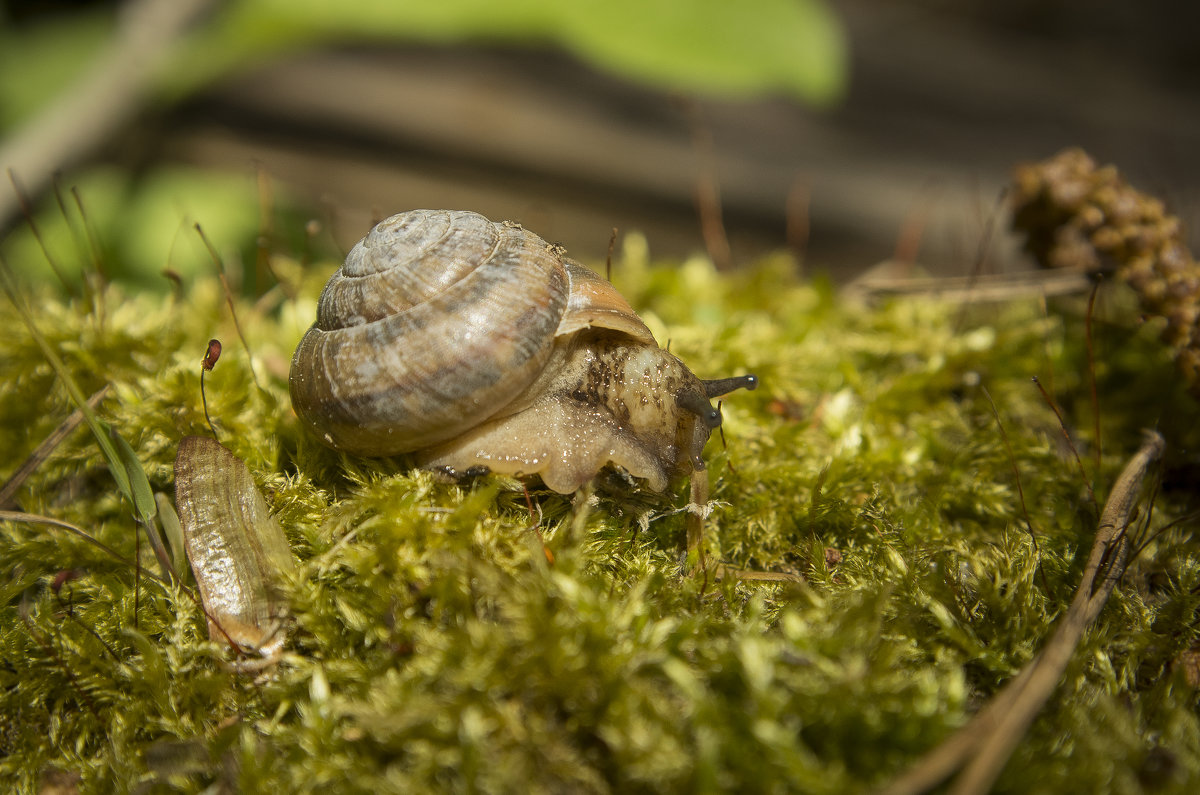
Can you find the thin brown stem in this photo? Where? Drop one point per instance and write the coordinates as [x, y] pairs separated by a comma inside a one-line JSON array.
[[984, 745], [1012, 460], [612, 242], [52, 652], [797, 220], [1092, 389], [216, 258], [69, 611], [43, 451], [27, 212], [1105, 566], [708, 191], [30, 518], [1062, 426]]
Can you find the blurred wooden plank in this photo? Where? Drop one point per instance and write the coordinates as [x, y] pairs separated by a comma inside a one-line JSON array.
[[938, 113]]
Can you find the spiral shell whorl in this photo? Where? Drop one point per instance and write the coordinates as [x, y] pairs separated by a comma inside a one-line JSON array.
[[406, 350], [403, 261]]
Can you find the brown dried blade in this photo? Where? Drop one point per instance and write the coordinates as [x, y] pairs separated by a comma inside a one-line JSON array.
[[983, 746], [238, 552], [43, 451]]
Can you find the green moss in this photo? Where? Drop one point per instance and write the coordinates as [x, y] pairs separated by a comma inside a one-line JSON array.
[[436, 646]]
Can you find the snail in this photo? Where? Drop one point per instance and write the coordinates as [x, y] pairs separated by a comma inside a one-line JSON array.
[[470, 344]]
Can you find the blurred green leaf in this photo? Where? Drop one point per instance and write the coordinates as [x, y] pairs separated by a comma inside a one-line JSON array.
[[714, 46], [702, 46]]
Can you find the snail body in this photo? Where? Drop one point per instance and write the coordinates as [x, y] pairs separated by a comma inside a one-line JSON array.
[[469, 343]]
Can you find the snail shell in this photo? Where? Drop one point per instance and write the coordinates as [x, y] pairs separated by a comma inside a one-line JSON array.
[[472, 343]]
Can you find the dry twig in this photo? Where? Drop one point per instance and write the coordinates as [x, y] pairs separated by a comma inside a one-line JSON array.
[[44, 450], [890, 278], [983, 746]]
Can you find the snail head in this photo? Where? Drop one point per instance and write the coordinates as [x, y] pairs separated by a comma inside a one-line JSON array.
[[696, 402]]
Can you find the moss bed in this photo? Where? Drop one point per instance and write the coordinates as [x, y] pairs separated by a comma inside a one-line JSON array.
[[434, 644]]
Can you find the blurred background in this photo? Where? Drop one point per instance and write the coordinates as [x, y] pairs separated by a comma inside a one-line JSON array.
[[850, 132]]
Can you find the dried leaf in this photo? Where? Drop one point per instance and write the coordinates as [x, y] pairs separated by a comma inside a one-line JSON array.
[[238, 552]]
